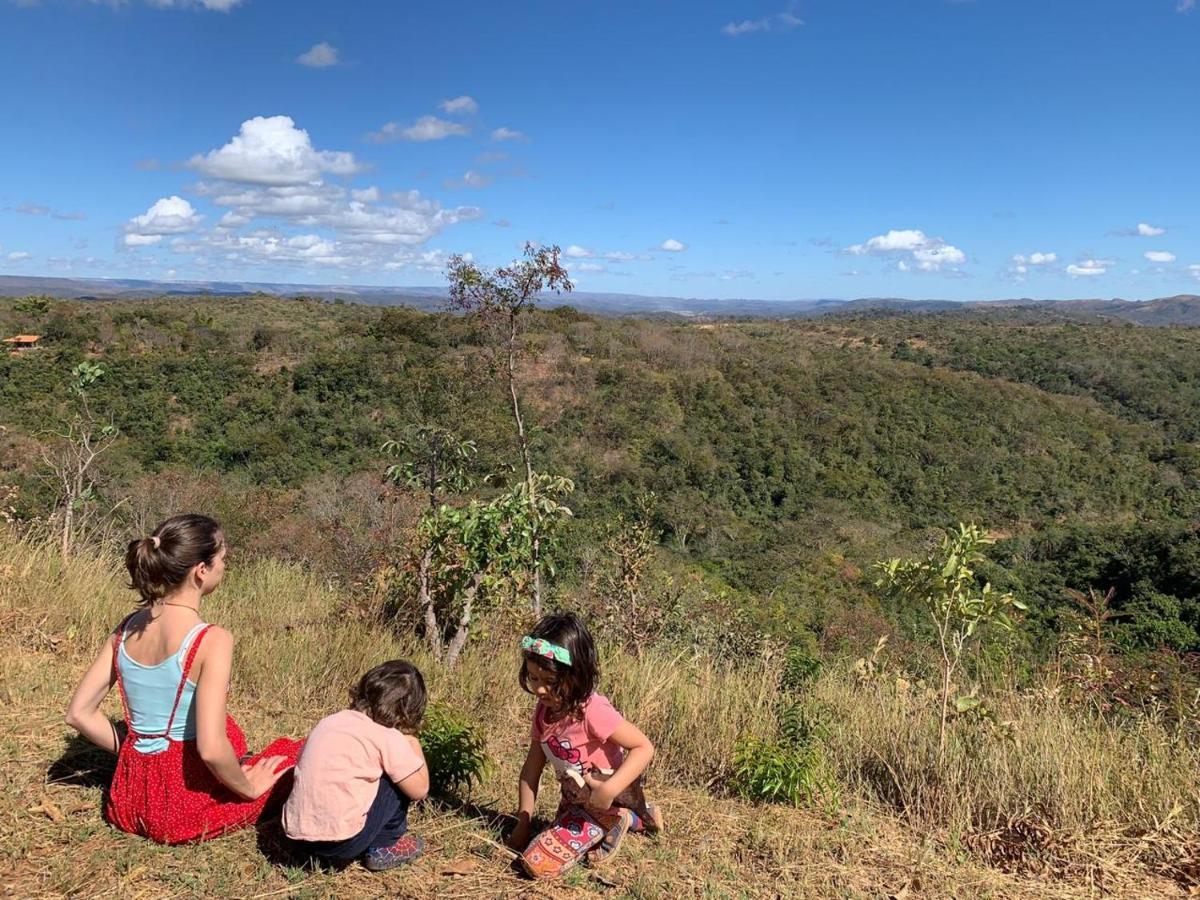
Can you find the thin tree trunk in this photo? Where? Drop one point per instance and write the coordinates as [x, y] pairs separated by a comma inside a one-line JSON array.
[[464, 624], [942, 723], [525, 458], [68, 525], [947, 670], [432, 633]]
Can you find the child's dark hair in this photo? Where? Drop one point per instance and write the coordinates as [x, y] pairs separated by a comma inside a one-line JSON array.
[[576, 682], [159, 563], [392, 694]]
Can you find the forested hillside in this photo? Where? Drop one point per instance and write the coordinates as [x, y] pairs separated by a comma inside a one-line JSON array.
[[777, 460]]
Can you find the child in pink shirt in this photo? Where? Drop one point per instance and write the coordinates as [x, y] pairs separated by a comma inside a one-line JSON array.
[[598, 757], [359, 771]]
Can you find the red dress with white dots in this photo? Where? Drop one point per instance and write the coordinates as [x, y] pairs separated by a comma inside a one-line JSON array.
[[171, 796]]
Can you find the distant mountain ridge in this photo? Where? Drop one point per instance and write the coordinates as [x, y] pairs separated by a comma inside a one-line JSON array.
[[1183, 309]]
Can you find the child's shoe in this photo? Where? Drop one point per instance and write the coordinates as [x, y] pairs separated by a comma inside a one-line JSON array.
[[403, 851], [611, 842]]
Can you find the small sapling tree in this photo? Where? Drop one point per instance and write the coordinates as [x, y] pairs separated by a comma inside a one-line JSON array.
[[436, 462], [945, 586], [81, 439], [482, 554], [501, 298]]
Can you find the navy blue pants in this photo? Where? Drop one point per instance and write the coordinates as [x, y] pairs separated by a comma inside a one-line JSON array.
[[387, 820]]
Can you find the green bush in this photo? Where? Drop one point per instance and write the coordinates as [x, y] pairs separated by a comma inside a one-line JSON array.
[[782, 771], [799, 669], [454, 752]]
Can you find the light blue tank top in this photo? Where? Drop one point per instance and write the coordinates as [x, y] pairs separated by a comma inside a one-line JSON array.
[[150, 691]]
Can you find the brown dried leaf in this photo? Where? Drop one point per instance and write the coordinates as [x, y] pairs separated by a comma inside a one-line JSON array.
[[460, 867], [52, 812]]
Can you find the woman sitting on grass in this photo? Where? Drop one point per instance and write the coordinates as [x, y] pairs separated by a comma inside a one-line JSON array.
[[183, 773]]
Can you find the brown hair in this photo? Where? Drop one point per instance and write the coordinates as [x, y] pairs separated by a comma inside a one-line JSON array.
[[392, 694], [160, 563], [576, 682]]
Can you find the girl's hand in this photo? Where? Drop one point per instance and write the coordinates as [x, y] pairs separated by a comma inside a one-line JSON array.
[[263, 774], [600, 796], [518, 838]]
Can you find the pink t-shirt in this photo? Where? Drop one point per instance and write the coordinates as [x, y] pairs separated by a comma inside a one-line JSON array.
[[338, 775], [580, 743]]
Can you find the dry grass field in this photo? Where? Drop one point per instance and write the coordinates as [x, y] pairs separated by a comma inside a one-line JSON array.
[[1061, 805]]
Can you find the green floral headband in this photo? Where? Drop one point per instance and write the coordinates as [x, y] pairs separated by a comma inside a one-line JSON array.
[[542, 647]]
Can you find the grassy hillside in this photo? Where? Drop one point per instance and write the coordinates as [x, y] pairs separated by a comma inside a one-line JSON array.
[[1046, 801], [784, 457]]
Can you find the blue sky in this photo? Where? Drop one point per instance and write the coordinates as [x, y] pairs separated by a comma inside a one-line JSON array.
[[825, 148]]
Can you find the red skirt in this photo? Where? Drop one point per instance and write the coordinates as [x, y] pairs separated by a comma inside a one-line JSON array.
[[172, 797]]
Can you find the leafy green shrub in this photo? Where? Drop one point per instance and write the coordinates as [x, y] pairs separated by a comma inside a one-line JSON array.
[[454, 752], [782, 771], [798, 725], [799, 669]]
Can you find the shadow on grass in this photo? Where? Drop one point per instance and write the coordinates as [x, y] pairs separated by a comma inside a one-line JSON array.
[[499, 824], [279, 850], [82, 764], [493, 819]]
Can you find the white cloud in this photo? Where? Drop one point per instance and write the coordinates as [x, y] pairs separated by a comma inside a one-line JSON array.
[[589, 267], [927, 254], [1037, 259], [784, 21], [747, 26], [426, 128], [1159, 256], [278, 212], [575, 251], [19, 256], [1145, 230], [1022, 263], [931, 259], [1195, 270], [233, 220], [37, 209], [508, 134], [905, 240], [268, 247], [470, 179], [321, 56], [272, 151], [214, 5], [1089, 268], [459, 106], [169, 215], [672, 246], [1184, 6]]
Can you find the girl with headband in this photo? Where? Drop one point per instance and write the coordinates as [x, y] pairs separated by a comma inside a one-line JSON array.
[[598, 756]]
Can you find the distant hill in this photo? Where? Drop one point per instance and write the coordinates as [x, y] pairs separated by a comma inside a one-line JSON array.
[[1183, 309]]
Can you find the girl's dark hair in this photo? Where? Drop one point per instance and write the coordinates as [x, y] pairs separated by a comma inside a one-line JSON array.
[[392, 694], [576, 682], [159, 563]]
